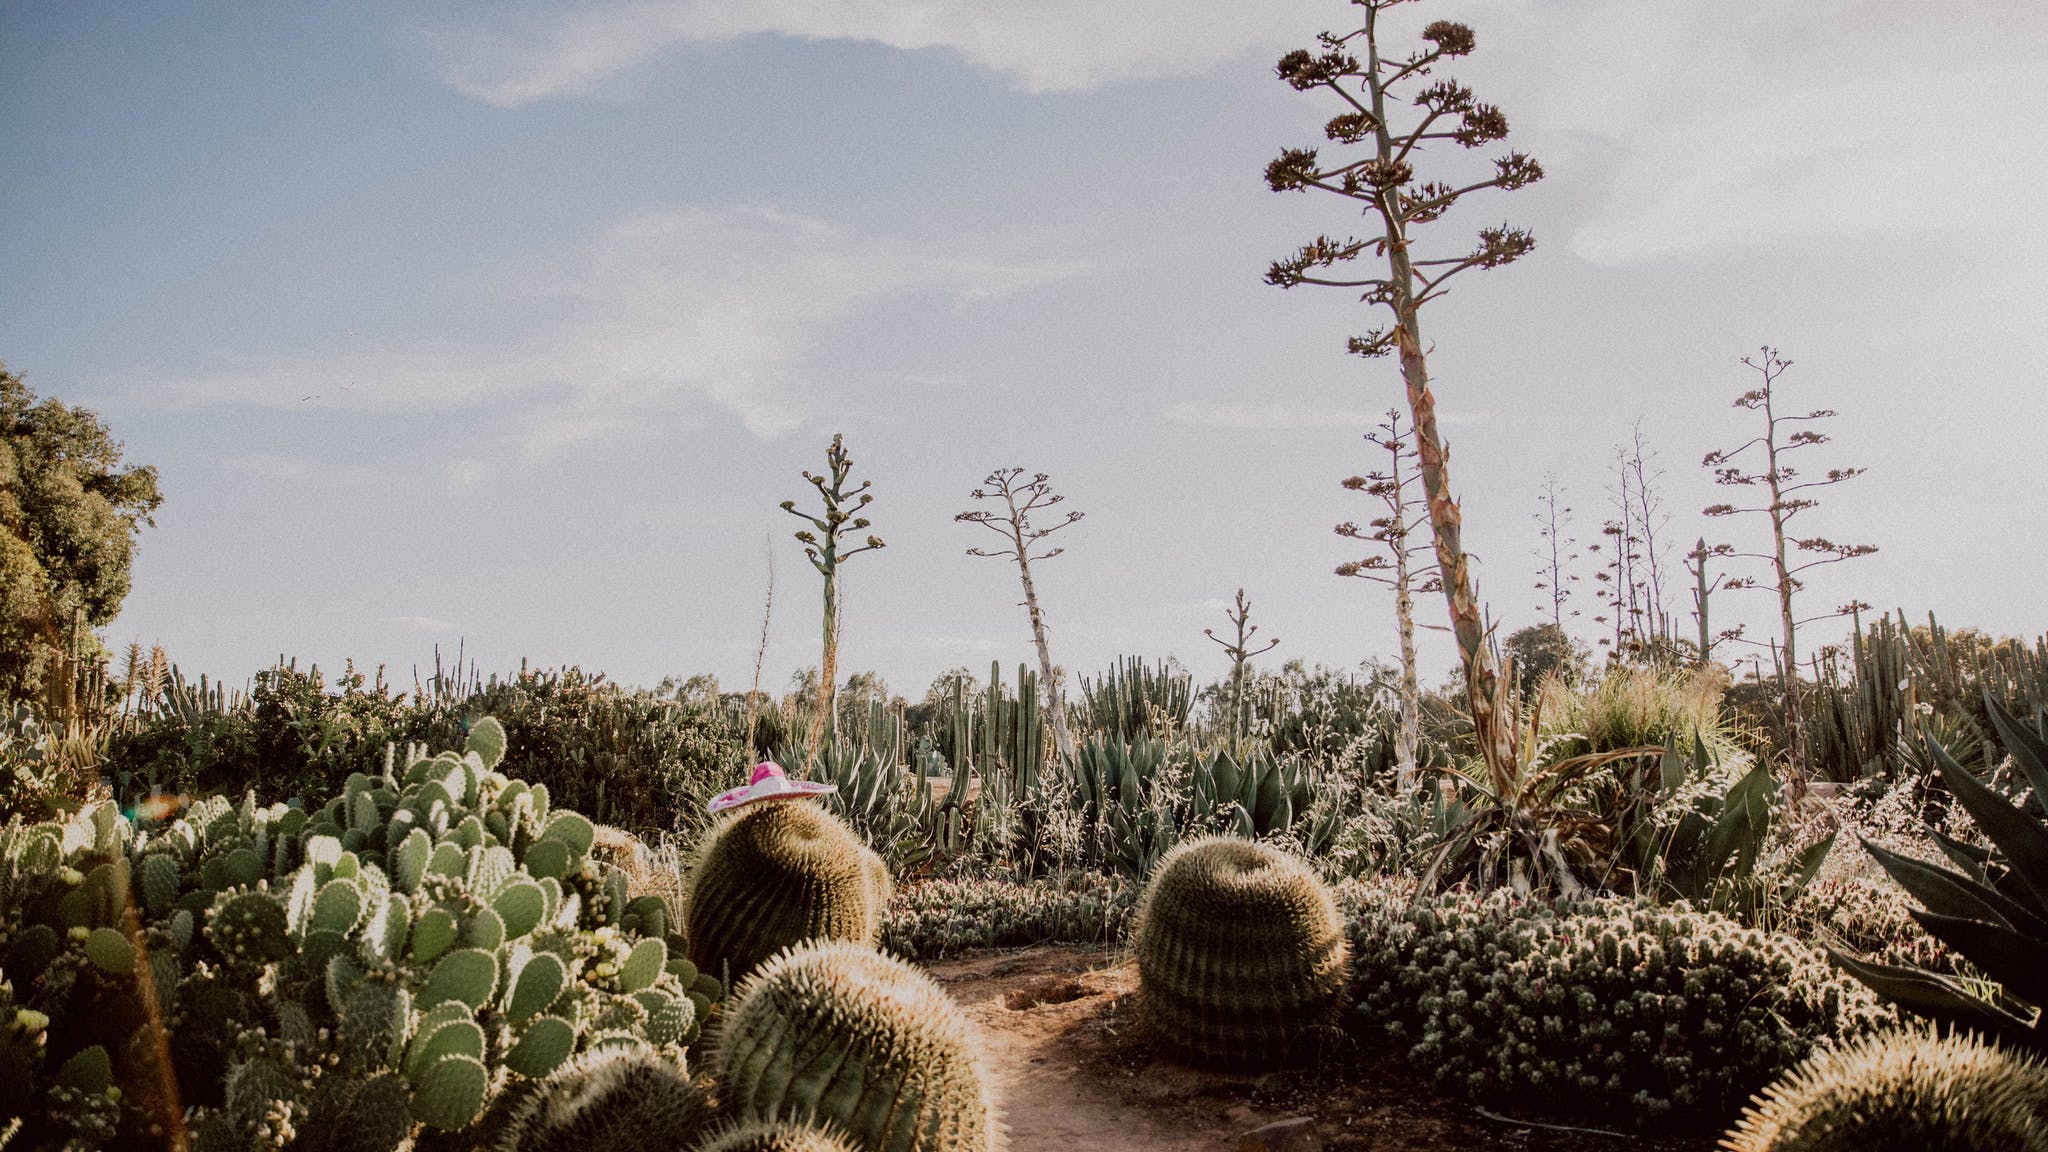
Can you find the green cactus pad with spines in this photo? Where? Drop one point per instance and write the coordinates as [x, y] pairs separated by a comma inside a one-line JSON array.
[[294, 1023], [670, 1019], [448, 859], [384, 936], [374, 1023], [409, 860], [571, 828], [487, 740], [372, 1116], [542, 1047], [110, 951], [442, 1038], [337, 907], [466, 974], [538, 984], [32, 952], [619, 1014], [772, 876], [256, 1088], [160, 882], [248, 928], [838, 1033], [89, 1070], [1910, 1090], [521, 904], [643, 965], [680, 968], [620, 1099], [433, 934], [320, 948], [547, 859], [758, 1137], [340, 979], [1242, 957], [485, 930], [450, 1093]]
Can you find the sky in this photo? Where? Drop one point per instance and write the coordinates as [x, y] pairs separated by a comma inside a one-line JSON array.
[[509, 326]]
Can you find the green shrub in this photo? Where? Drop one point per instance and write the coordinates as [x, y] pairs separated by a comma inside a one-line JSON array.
[[776, 874], [833, 1033], [1911, 1090], [1597, 1007], [940, 918], [332, 978], [1242, 959]]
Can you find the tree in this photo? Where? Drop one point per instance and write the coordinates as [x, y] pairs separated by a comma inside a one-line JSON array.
[[1396, 569], [1554, 575], [1240, 653], [841, 516], [1782, 482], [1539, 650], [1014, 525], [1382, 179], [69, 517]]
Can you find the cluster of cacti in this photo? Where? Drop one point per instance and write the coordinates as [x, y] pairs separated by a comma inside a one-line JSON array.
[[775, 874], [1242, 958], [1910, 1090], [940, 918], [1608, 1007], [409, 952], [837, 1034]]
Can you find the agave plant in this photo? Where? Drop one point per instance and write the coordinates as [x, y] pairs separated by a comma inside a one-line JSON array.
[[1992, 908]]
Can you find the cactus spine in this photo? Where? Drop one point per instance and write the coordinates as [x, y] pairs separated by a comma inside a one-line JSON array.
[[615, 1099], [835, 1033], [774, 1138], [1241, 954], [777, 874]]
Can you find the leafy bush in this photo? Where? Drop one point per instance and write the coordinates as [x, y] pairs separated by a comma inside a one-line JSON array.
[[402, 955], [1604, 1006], [941, 918]]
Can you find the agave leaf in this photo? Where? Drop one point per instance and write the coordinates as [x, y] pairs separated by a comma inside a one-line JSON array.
[[1969, 857], [1809, 861], [2029, 752], [2018, 835], [1953, 894], [1745, 822], [2004, 955], [1927, 994]]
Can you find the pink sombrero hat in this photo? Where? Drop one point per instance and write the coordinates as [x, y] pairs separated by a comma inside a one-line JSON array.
[[769, 782]]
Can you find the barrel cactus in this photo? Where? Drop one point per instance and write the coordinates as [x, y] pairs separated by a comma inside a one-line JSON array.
[[1905, 1091], [835, 1033], [1242, 958], [615, 1099], [776, 874], [760, 1137]]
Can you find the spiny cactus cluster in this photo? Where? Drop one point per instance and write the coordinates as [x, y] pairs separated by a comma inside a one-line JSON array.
[[770, 1137], [1242, 959], [618, 1098], [775, 874], [1607, 1007], [940, 918], [1910, 1090], [341, 978], [836, 1033]]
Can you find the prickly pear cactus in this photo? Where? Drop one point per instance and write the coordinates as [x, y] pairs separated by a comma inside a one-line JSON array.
[[1242, 957], [1910, 1090], [777, 874], [835, 1033], [351, 977]]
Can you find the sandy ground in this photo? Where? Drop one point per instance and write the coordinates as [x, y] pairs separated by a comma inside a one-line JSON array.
[[1075, 1071]]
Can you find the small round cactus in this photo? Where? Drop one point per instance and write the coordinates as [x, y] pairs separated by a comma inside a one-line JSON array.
[[627, 1098], [758, 1137], [837, 1034], [1242, 957], [1904, 1091], [777, 874]]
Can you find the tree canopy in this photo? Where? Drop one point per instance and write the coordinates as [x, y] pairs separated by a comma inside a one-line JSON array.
[[69, 516]]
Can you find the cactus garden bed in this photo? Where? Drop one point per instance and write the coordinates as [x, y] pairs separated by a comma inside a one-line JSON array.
[[1074, 1070]]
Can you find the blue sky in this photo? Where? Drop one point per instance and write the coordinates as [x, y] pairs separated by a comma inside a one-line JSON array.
[[513, 324]]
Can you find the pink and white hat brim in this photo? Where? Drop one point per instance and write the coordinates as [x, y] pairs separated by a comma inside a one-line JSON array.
[[768, 785]]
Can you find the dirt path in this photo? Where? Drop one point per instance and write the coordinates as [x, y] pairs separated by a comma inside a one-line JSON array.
[[1075, 1071]]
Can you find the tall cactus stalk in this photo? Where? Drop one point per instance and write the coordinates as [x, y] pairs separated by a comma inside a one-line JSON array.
[[1383, 180], [826, 554], [1014, 525]]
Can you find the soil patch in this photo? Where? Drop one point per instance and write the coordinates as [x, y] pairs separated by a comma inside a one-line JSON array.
[[1075, 1070]]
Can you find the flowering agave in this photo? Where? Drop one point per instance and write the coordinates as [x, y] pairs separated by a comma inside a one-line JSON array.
[[1994, 911]]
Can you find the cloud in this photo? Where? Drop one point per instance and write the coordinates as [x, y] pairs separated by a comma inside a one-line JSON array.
[[1040, 45], [660, 318]]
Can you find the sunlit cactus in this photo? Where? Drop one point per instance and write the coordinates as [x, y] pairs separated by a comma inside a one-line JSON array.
[[760, 1137], [613, 1099], [1912, 1090], [777, 874], [1242, 959], [838, 1034]]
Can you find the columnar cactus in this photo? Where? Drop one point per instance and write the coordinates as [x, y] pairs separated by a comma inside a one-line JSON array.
[[1912, 1090], [776, 874], [1242, 958], [834, 1033], [622, 1098]]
